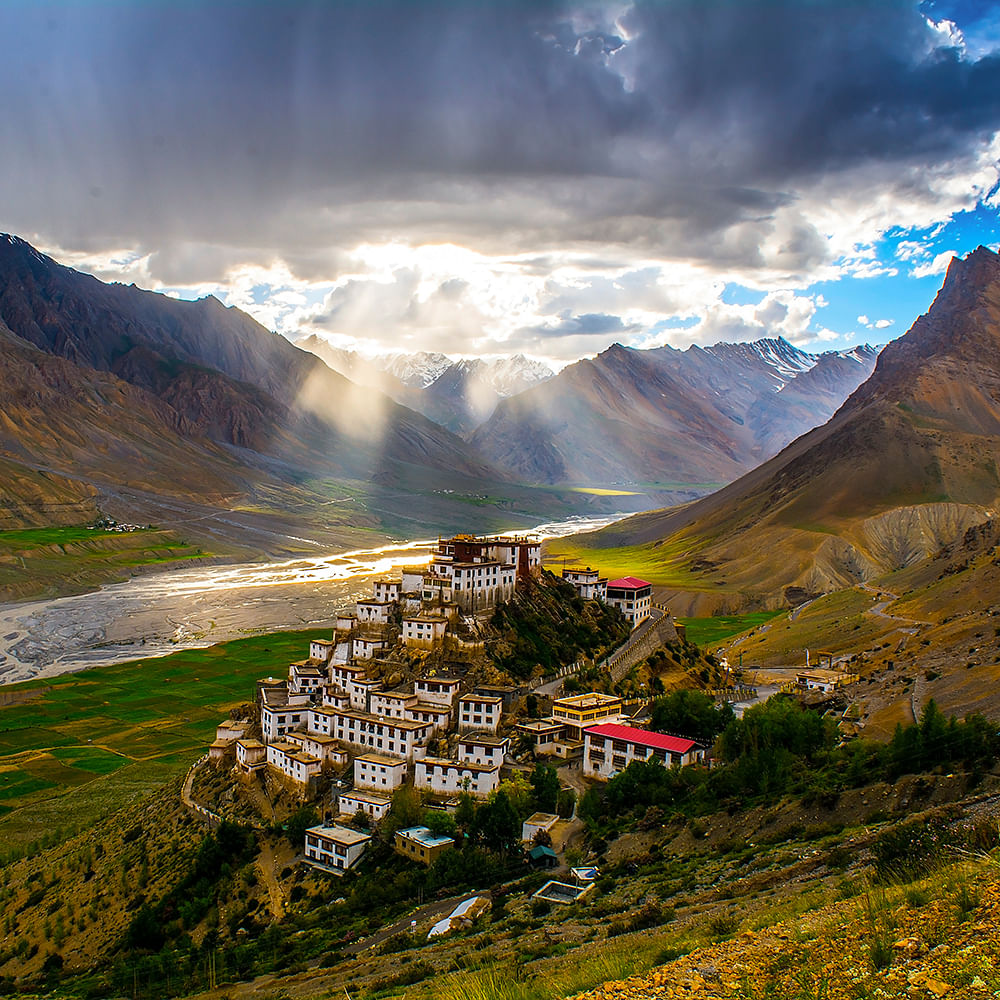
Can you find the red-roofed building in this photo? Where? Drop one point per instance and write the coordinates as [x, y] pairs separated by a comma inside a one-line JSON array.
[[610, 748], [632, 595]]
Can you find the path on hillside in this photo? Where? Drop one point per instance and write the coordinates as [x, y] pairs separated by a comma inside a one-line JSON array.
[[267, 863]]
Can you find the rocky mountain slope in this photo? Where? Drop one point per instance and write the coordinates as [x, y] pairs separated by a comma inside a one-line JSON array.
[[459, 395], [695, 417], [906, 465], [120, 389]]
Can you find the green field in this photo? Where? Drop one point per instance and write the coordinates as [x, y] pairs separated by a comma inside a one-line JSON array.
[[706, 632], [86, 737], [61, 560]]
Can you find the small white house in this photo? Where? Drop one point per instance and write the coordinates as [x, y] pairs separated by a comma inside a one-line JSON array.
[[478, 748], [360, 691], [367, 646], [318, 745], [290, 761], [230, 731], [449, 777], [251, 755], [335, 848], [478, 711], [371, 611], [437, 690], [535, 823], [321, 650], [385, 590], [372, 804], [346, 622], [306, 677], [589, 583], [424, 631], [391, 704], [384, 774], [632, 596]]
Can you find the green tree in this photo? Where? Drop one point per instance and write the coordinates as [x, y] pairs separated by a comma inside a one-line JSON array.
[[439, 822], [497, 824], [545, 784], [690, 713], [465, 812], [298, 823]]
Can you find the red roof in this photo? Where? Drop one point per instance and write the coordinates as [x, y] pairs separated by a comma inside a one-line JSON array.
[[629, 583], [643, 737]]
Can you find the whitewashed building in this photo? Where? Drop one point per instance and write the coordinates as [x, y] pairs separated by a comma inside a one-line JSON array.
[[335, 848], [424, 631], [488, 751], [610, 748], [391, 704], [251, 755], [589, 583], [378, 772], [289, 760], [386, 589], [437, 690], [632, 596], [478, 711], [367, 646], [374, 612], [449, 777], [317, 745], [371, 804]]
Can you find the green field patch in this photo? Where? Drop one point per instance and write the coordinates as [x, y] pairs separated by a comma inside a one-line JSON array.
[[92, 759], [708, 631], [17, 783], [32, 538], [92, 725], [49, 768], [28, 737]]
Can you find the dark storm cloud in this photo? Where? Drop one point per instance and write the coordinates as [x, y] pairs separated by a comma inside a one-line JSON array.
[[285, 129]]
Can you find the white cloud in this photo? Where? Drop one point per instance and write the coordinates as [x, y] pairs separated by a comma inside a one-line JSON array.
[[936, 266]]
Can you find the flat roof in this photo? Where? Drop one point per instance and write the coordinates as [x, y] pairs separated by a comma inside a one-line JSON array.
[[588, 700], [315, 737], [377, 758], [340, 834], [488, 698], [459, 765], [450, 681], [534, 725], [485, 740], [423, 835], [373, 797], [540, 819], [642, 737], [347, 713], [250, 744]]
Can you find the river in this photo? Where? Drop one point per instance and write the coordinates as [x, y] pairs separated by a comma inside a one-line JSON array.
[[157, 613]]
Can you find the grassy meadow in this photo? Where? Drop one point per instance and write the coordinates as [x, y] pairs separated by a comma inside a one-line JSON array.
[[76, 746], [705, 632], [73, 558]]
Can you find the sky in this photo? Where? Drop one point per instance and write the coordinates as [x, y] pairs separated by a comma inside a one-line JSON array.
[[483, 177]]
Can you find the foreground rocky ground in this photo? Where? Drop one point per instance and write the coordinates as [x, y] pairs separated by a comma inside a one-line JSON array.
[[936, 938]]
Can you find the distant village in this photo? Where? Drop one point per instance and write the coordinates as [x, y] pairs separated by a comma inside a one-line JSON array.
[[332, 716]]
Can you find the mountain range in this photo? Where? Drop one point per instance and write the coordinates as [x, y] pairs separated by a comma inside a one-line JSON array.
[[669, 420], [906, 466], [458, 394], [191, 413]]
